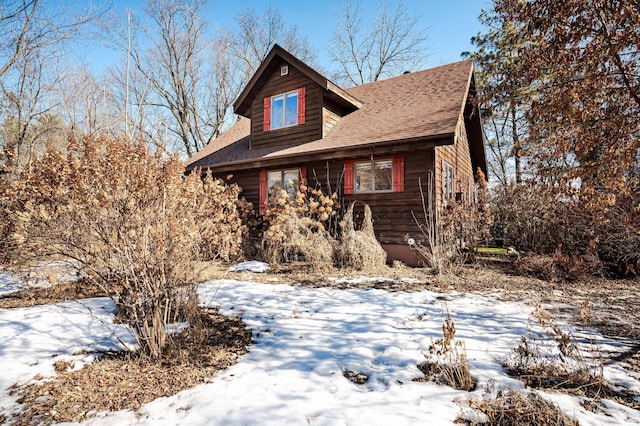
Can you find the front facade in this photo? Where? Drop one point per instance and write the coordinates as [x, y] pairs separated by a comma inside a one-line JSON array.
[[374, 143]]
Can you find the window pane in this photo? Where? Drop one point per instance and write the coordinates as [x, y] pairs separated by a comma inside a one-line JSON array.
[[363, 177], [384, 175], [291, 106], [277, 112], [274, 179], [291, 181]]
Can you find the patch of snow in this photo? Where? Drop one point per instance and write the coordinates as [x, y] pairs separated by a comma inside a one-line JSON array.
[[33, 339], [305, 340], [43, 274], [9, 283], [251, 266]]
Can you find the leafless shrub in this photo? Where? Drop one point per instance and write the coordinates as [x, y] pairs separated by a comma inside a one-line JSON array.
[[132, 221], [512, 408], [446, 360], [359, 249], [588, 232], [450, 234]]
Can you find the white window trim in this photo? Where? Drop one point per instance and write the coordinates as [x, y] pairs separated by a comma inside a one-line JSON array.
[[284, 110], [372, 162]]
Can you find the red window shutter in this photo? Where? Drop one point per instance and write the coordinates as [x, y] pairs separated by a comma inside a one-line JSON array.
[[302, 172], [267, 114], [398, 174], [302, 105], [263, 190], [348, 177]]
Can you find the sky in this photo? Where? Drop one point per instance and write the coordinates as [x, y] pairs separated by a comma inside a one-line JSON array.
[[449, 25]]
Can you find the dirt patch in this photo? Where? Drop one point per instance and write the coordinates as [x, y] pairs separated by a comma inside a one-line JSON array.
[[56, 293], [119, 381]]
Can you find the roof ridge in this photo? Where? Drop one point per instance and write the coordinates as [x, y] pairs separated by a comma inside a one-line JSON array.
[[451, 64]]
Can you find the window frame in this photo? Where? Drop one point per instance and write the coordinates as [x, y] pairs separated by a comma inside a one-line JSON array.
[[284, 109], [281, 183], [448, 184], [263, 187], [372, 163]]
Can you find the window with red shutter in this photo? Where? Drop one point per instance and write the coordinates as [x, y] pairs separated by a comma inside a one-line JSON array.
[[289, 179], [379, 175]]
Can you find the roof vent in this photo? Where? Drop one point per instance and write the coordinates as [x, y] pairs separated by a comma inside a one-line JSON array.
[[284, 70], [406, 72]]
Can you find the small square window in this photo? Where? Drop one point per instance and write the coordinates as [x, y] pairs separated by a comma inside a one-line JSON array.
[[284, 70], [286, 179], [372, 176]]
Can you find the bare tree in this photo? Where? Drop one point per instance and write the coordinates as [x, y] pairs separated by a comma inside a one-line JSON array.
[[393, 42], [30, 119], [258, 31], [180, 84], [26, 25]]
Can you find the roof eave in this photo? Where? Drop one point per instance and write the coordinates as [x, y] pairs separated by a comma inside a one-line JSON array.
[[328, 153]]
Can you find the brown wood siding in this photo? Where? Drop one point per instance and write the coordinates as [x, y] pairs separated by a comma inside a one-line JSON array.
[[275, 85], [391, 211], [329, 118], [459, 156]]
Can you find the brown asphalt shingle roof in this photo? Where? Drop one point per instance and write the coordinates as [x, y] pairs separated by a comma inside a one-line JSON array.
[[412, 106]]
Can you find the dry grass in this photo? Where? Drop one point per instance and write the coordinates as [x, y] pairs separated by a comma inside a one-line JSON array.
[[56, 293], [512, 408], [446, 361], [359, 249], [121, 381]]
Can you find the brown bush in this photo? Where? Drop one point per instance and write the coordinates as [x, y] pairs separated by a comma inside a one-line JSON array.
[[574, 228], [446, 360], [359, 249], [295, 229], [131, 220]]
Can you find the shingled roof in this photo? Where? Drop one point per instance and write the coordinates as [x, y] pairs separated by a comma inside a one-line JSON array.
[[423, 105]]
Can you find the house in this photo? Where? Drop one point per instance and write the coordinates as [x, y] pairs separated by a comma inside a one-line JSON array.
[[370, 143]]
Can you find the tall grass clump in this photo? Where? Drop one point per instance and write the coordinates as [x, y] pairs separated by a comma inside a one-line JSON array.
[[359, 249]]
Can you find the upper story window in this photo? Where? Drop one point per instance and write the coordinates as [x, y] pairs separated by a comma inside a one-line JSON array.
[[447, 181], [284, 110], [373, 176]]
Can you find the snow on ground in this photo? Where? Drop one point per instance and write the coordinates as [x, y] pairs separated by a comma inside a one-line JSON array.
[[33, 339], [304, 340], [44, 274], [251, 266]]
